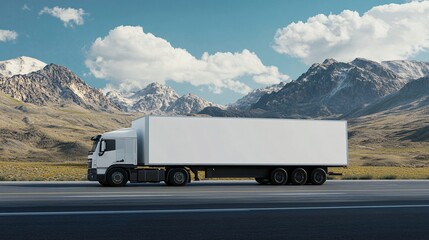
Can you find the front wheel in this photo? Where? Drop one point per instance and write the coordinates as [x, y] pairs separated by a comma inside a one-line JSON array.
[[117, 177]]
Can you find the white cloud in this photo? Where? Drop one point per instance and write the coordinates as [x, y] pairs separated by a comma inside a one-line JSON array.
[[129, 57], [69, 16], [26, 8], [7, 35], [386, 32]]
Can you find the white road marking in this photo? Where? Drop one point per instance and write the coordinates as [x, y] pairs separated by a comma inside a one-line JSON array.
[[116, 196], [204, 210], [304, 194]]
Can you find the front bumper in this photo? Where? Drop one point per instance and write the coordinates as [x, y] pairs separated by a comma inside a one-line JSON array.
[[93, 176]]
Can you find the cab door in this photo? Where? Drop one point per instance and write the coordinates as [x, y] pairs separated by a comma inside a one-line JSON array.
[[107, 153]]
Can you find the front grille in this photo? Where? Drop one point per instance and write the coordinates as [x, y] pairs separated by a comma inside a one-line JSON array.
[[89, 163]]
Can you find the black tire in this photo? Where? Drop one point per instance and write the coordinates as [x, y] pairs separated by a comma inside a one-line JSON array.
[[178, 177], [117, 177], [318, 176], [263, 181], [299, 176], [103, 183], [278, 176]]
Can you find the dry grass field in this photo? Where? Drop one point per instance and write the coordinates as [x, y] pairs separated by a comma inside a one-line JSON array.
[[74, 171], [51, 142]]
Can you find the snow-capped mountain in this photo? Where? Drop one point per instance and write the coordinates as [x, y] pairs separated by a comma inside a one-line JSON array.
[[189, 103], [20, 65], [408, 69], [155, 98], [158, 99], [119, 99], [333, 88], [246, 102], [54, 85]]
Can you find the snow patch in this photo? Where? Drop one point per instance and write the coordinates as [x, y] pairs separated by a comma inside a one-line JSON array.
[[20, 65]]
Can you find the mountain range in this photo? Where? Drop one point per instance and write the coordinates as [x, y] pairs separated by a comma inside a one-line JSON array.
[[32, 81], [158, 99], [332, 89], [49, 113]]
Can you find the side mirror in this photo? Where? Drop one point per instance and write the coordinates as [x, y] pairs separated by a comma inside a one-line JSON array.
[[102, 148]]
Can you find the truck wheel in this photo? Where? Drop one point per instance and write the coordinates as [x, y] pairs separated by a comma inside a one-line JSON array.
[[299, 176], [178, 177], [117, 177], [318, 176], [262, 181], [278, 176]]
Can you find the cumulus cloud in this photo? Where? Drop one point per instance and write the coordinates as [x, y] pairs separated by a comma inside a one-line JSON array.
[[386, 32], [7, 35], [69, 16], [129, 57]]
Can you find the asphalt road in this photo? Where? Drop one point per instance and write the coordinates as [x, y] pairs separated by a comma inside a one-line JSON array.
[[215, 210]]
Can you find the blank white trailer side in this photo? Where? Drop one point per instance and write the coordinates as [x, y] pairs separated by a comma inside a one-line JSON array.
[[273, 151]]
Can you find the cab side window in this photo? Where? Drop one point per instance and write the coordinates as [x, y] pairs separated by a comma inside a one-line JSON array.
[[110, 145]]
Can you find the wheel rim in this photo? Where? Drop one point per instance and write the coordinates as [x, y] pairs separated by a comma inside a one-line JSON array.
[[117, 177], [299, 177], [318, 177], [279, 177], [179, 177]]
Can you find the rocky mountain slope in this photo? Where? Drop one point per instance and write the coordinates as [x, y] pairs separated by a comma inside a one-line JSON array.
[[408, 69], [413, 96], [251, 98], [54, 85], [332, 88], [158, 99]]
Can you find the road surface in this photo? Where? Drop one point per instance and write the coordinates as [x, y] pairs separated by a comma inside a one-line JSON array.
[[215, 210]]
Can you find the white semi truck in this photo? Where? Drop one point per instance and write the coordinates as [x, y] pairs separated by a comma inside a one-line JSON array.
[[168, 149]]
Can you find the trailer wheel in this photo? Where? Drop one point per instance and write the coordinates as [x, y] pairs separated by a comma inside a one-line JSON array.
[[278, 176], [318, 176], [299, 176], [178, 177], [263, 181], [117, 177]]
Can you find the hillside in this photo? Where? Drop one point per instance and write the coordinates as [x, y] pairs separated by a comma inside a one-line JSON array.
[[30, 132]]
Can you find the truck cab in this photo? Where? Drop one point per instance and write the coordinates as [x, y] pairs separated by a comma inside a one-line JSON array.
[[112, 149]]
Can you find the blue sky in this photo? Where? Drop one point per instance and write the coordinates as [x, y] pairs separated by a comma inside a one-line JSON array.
[[196, 26]]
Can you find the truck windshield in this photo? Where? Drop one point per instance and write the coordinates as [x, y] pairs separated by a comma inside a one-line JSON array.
[[95, 141]]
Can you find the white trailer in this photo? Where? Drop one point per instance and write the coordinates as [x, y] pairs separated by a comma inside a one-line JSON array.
[[273, 151]]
